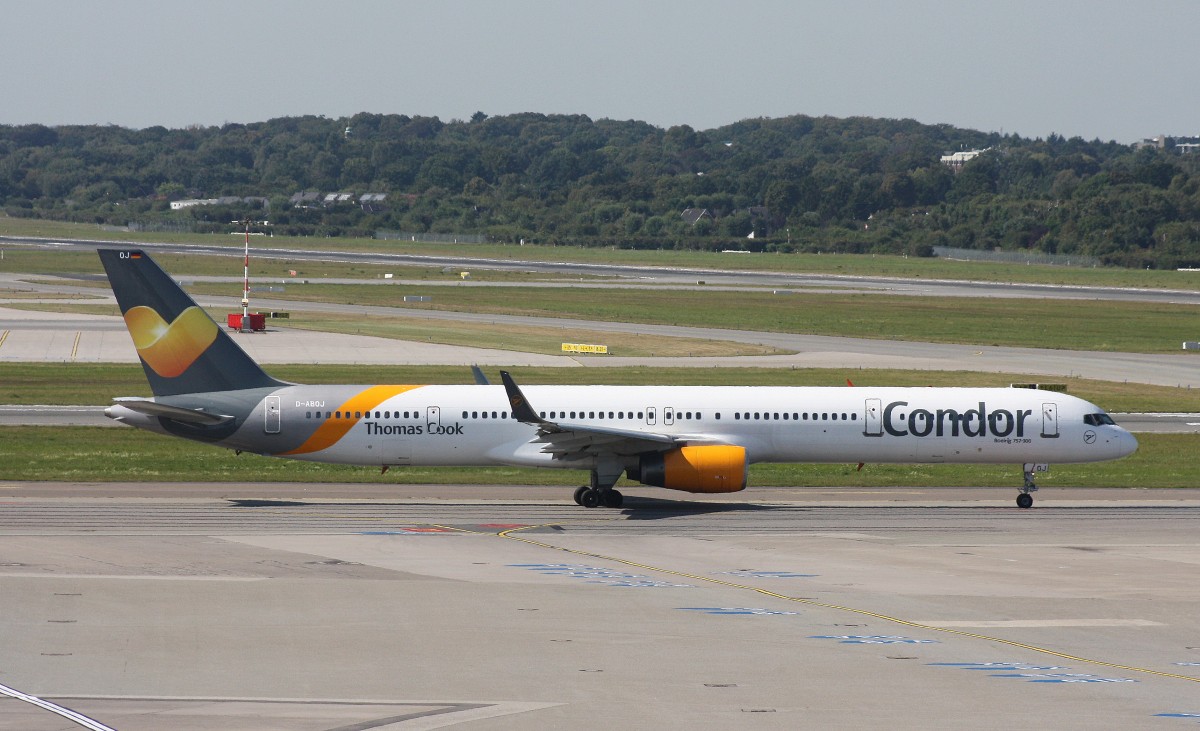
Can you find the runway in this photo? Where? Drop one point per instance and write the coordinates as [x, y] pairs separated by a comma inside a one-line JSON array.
[[31, 336], [46, 336], [644, 275], [507, 608]]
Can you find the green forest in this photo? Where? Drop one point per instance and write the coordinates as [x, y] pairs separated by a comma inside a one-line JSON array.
[[798, 183]]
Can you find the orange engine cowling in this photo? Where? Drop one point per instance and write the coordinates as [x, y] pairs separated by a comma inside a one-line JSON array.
[[718, 468]]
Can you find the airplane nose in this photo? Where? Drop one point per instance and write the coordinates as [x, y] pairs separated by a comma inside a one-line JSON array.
[[1126, 443]]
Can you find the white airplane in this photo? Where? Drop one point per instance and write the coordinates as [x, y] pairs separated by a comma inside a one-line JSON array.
[[698, 439]]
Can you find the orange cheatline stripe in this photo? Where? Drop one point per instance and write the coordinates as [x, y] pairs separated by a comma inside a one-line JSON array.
[[332, 430]]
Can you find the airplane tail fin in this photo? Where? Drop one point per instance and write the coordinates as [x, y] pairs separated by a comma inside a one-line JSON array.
[[181, 348]]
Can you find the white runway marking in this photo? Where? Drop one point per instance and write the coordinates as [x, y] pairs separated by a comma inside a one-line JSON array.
[[66, 713], [1043, 623]]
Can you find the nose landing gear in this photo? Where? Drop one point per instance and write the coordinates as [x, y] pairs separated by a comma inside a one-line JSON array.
[[1025, 500]]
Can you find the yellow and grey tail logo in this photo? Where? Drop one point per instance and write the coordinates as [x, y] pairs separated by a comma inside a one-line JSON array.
[[169, 349]]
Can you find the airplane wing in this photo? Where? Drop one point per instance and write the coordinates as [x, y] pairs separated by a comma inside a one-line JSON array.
[[565, 440], [178, 413]]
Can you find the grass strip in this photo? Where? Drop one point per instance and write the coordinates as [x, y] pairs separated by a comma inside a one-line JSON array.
[[98, 454], [1133, 327], [1112, 326], [849, 264]]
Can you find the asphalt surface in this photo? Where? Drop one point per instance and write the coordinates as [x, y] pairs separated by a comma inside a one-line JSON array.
[[651, 275], [46, 336], [511, 608]]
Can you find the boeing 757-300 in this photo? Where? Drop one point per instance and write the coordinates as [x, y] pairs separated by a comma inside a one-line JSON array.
[[698, 439]]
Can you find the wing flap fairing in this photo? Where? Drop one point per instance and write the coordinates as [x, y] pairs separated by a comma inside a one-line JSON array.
[[566, 440]]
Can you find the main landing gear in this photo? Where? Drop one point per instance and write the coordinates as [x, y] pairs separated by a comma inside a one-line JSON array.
[[600, 491], [590, 497], [1025, 500]]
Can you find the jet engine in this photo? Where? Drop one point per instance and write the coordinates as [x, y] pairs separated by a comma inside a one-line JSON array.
[[717, 468]]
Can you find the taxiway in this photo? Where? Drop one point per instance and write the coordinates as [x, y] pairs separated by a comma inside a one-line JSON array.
[[510, 608]]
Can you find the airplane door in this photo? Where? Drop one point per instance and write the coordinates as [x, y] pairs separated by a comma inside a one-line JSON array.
[[1050, 421], [873, 421], [271, 415], [650, 415], [433, 418], [401, 452], [668, 415]]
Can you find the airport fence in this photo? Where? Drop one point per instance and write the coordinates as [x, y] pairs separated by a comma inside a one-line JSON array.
[[431, 238], [1023, 256]]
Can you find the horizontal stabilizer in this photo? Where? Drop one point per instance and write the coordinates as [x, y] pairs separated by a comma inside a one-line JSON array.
[[177, 413]]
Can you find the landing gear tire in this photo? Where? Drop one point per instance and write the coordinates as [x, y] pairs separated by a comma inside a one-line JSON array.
[[612, 499], [590, 498], [1024, 501], [579, 494]]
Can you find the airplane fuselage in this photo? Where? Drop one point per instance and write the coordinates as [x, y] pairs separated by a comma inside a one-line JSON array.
[[690, 438], [473, 425]]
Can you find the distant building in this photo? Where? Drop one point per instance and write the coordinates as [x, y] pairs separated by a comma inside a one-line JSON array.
[[956, 160], [306, 199], [189, 202], [373, 202], [228, 200], [692, 216], [1181, 145], [1156, 142]]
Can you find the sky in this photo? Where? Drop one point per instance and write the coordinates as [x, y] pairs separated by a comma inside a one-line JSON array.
[[1094, 69]]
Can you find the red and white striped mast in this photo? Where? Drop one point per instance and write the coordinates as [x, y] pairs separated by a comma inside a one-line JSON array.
[[246, 283]]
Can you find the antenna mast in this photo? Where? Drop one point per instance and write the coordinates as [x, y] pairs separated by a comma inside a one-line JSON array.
[[246, 282]]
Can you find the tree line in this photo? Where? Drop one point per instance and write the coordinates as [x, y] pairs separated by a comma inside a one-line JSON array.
[[797, 183]]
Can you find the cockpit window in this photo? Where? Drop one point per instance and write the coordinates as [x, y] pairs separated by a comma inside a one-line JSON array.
[[1100, 419]]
